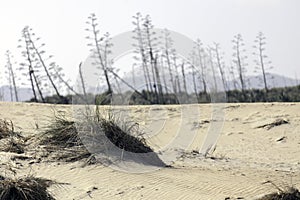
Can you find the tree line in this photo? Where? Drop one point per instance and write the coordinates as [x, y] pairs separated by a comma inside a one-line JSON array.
[[165, 74]]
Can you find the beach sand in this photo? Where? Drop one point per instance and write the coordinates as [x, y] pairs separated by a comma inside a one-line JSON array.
[[251, 151]]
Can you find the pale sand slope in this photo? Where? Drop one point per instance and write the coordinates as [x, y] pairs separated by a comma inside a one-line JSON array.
[[246, 156]]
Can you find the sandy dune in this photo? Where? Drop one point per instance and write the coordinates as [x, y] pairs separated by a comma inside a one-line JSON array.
[[251, 150]]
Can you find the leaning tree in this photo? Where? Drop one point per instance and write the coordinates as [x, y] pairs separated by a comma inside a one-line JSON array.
[[261, 62], [100, 47], [239, 60], [11, 76], [41, 70]]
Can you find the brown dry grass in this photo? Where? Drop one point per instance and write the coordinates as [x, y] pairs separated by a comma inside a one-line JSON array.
[[10, 140], [28, 188], [289, 194]]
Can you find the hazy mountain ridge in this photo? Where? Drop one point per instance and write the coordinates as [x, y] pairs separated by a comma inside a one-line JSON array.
[[25, 94], [273, 80]]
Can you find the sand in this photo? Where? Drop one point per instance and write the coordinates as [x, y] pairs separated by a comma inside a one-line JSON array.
[[248, 155]]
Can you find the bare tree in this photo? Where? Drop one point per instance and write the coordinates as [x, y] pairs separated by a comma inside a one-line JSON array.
[[177, 80], [118, 86], [162, 67], [212, 67], [220, 64], [152, 51], [194, 74], [141, 48], [100, 48], [260, 62], [199, 52], [82, 81], [239, 59], [148, 54], [168, 51], [41, 60], [11, 77], [158, 83], [233, 77], [61, 76], [184, 77], [29, 56]]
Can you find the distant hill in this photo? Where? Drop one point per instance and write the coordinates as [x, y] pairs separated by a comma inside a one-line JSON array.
[[24, 94], [274, 81]]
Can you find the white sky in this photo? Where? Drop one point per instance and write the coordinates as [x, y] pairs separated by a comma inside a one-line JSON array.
[[61, 24]]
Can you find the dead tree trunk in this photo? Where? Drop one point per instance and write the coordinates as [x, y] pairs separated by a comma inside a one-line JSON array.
[[142, 51], [260, 46], [220, 67], [237, 45], [177, 80], [12, 77], [211, 62], [184, 78], [167, 49], [199, 53], [97, 40], [35, 49], [32, 76], [164, 75]]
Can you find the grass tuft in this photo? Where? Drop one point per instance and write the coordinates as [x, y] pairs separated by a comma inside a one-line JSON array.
[[124, 137], [61, 132], [10, 141], [61, 136], [64, 138], [7, 130], [289, 194], [115, 138], [28, 188]]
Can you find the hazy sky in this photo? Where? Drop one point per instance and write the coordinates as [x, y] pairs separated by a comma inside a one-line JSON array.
[[61, 24]]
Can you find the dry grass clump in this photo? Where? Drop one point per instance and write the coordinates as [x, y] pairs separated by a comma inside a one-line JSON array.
[[61, 132], [7, 130], [289, 194], [124, 138], [12, 145], [28, 188], [61, 137], [65, 142], [10, 140], [116, 139]]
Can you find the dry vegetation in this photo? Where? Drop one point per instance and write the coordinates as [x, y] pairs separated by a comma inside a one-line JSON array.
[[61, 132], [275, 123], [10, 140], [126, 138], [290, 194], [28, 188], [63, 140]]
